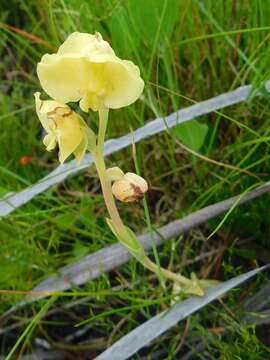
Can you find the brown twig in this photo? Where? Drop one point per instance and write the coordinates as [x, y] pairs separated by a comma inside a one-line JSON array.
[[28, 36]]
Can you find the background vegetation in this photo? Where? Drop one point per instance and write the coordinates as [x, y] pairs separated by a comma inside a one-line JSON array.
[[187, 51]]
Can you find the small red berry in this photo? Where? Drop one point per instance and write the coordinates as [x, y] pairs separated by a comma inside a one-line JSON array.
[[24, 160]]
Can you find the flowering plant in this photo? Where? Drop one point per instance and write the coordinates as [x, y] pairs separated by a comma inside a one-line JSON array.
[[86, 69]]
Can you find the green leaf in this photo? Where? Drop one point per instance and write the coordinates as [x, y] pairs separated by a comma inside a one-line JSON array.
[[147, 16], [79, 250], [92, 139], [65, 221], [130, 241], [3, 191], [91, 136], [122, 39], [192, 134], [146, 23]]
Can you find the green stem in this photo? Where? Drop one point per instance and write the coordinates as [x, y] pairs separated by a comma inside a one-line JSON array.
[[166, 273], [113, 211], [101, 169]]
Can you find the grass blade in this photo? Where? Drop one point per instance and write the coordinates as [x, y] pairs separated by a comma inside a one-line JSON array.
[[15, 200], [151, 329], [94, 265]]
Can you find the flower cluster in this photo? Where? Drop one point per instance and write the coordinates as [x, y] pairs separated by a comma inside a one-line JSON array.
[[85, 69]]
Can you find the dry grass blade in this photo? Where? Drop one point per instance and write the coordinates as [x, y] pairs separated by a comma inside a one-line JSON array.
[[28, 36], [215, 162]]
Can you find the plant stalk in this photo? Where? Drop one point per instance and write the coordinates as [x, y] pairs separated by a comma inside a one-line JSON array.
[[113, 211]]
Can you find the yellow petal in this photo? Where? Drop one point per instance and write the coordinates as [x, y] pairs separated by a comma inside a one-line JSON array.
[[46, 106], [115, 84], [64, 127], [86, 69], [45, 110], [86, 45], [69, 134], [49, 141], [63, 78], [90, 100], [125, 84]]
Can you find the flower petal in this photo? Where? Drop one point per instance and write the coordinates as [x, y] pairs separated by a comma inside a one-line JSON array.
[[86, 69], [69, 134], [90, 100], [63, 78], [126, 85], [86, 45], [49, 141], [44, 107]]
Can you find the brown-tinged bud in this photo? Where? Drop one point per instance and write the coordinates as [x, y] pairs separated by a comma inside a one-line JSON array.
[[129, 188]]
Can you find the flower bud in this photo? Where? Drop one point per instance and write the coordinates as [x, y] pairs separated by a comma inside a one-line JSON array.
[[114, 173], [130, 188]]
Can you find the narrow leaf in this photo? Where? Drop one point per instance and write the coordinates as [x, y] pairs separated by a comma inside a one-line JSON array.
[[91, 136], [131, 242]]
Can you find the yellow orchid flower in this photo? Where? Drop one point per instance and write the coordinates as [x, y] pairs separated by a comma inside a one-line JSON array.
[[63, 126], [86, 69]]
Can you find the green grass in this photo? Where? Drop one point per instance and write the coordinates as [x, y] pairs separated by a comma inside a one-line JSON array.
[[187, 51]]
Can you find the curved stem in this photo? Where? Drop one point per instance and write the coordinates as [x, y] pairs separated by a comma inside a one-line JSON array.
[[113, 211], [101, 169]]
